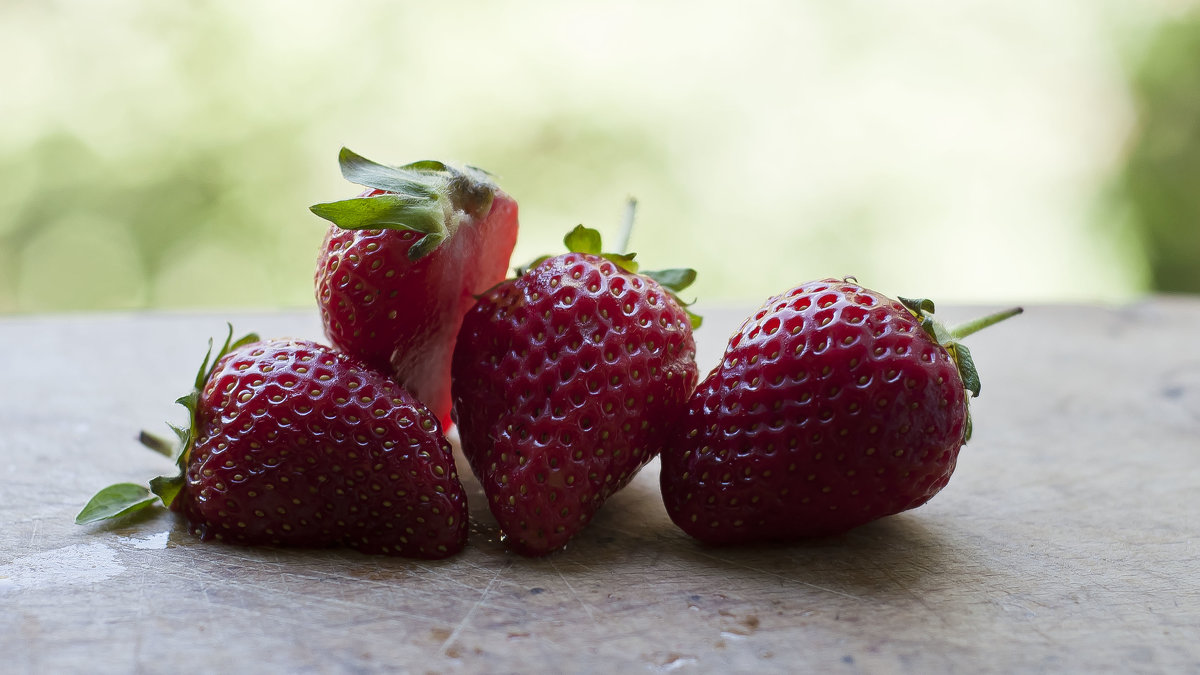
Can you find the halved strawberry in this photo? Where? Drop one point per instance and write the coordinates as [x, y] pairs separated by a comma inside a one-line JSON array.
[[402, 263]]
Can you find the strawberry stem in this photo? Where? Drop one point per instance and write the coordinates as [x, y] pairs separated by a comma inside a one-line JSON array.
[[158, 444], [627, 225], [975, 325], [951, 339]]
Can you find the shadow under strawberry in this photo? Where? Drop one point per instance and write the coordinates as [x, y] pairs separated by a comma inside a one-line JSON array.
[[880, 559]]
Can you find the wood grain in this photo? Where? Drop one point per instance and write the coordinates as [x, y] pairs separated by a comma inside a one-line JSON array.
[[1067, 540]]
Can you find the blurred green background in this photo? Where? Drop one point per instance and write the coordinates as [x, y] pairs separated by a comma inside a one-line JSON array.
[[164, 154]]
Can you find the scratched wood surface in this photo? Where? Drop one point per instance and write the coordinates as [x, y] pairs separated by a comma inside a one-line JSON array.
[[1067, 540]]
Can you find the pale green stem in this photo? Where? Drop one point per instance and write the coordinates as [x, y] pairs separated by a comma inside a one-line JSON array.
[[627, 225], [975, 325]]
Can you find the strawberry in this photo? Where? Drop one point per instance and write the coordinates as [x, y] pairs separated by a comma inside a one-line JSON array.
[[292, 443], [567, 381], [833, 406], [403, 261]]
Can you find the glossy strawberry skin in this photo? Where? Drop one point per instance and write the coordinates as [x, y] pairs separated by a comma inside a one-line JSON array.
[[832, 407], [567, 381], [401, 316], [299, 445]]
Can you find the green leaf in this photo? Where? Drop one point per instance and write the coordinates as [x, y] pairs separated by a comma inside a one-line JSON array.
[[522, 269], [587, 240], [386, 211], [425, 245], [210, 363], [427, 165], [918, 306], [583, 240], [167, 487], [966, 368], [241, 342], [115, 500], [624, 260], [362, 171], [190, 399], [202, 374], [427, 196], [936, 331], [676, 279], [122, 498], [182, 434]]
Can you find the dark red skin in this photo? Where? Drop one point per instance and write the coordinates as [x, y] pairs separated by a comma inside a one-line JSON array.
[[400, 316], [298, 445], [831, 408], [567, 381]]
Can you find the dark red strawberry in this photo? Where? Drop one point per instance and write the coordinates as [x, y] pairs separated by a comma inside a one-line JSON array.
[[833, 406], [403, 262], [567, 381], [292, 443]]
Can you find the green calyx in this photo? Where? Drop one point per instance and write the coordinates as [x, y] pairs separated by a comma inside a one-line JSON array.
[[430, 198], [951, 339], [124, 498], [587, 240]]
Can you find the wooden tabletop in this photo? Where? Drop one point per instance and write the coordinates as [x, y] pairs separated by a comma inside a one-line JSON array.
[[1067, 540]]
